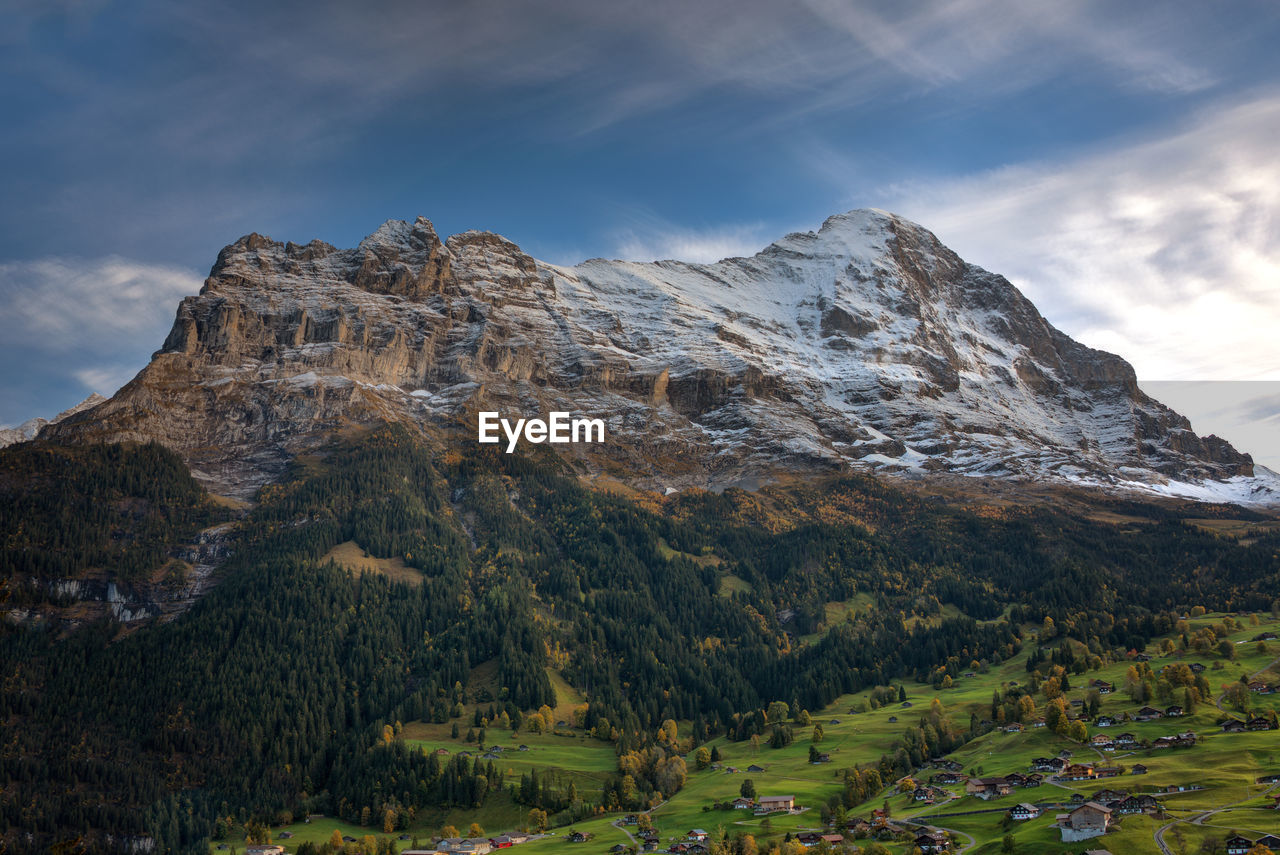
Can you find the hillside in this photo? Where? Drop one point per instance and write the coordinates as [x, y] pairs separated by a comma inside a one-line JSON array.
[[295, 687]]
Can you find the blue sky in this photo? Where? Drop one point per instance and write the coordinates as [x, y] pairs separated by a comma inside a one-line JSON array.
[[1117, 161]]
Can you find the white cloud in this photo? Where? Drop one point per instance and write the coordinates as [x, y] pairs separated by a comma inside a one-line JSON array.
[[59, 303], [1166, 251], [659, 241], [95, 321]]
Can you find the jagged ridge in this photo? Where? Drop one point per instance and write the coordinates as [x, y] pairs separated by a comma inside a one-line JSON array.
[[867, 342]]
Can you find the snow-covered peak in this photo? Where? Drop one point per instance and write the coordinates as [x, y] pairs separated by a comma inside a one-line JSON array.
[[863, 344], [400, 236]]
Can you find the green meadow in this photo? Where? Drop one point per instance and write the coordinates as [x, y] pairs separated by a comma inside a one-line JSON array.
[[1224, 766]]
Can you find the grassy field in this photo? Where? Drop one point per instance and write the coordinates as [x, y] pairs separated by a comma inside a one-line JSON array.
[[351, 556], [1226, 766]]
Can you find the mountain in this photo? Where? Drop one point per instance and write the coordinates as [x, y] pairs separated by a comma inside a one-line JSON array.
[[31, 427], [864, 344]]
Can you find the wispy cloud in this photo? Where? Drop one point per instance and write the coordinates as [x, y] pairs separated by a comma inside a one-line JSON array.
[[86, 325], [1166, 251], [651, 238]]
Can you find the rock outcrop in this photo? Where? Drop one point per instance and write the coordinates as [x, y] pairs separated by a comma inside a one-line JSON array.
[[864, 344]]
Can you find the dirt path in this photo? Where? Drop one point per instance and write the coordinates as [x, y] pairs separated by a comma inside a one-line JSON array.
[[1199, 818]]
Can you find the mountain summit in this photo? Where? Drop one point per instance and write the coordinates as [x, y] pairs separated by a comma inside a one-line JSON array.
[[864, 344]]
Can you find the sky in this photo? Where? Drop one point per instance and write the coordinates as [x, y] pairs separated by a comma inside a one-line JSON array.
[[1118, 162]]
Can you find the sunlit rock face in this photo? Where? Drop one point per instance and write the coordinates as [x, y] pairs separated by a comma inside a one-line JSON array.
[[864, 344]]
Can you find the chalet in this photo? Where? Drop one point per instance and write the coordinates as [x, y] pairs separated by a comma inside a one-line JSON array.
[[1260, 687], [1089, 820], [1106, 771], [1105, 797], [1141, 657], [1047, 764], [947, 778], [465, 845], [1269, 779], [933, 841], [1103, 742], [834, 721], [697, 835], [264, 849], [1076, 772], [770, 804], [1258, 723], [821, 758], [1125, 740], [1138, 769], [1173, 711], [1035, 779], [1270, 841], [1238, 845], [523, 748], [630, 819], [1187, 738], [1197, 667], [858, 826], [893, 719], [743, 804], [949, 765], [987, 788], [813, 838], [1105, 721], [1264, 636], [1148, 714], [1024, 811], [754, 768], [577, 837], [1233, 725], [1135, 804], [442, 752], [1017, 779], [506, 841], [1103, 687], [1013, 727], [931, 795]]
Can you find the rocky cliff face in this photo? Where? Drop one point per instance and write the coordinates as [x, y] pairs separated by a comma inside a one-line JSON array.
[[866, 343]]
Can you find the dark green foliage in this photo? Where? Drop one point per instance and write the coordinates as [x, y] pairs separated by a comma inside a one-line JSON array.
[[113, 508], [274, 691]]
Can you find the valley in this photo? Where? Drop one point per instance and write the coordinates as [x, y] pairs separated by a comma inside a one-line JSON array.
[[1220, 776]]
